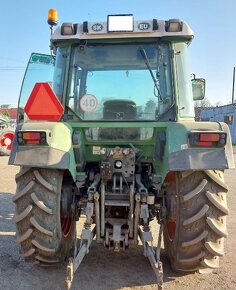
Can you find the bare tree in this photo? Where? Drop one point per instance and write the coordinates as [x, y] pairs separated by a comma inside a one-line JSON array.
[[205, 103], [199, 107]]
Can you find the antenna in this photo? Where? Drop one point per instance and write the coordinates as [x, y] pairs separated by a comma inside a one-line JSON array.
[[233, 85]]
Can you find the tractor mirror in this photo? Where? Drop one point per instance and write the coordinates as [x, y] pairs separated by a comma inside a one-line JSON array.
[[198, 86]]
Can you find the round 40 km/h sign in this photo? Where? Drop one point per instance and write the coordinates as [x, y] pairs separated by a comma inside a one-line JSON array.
[[88, 103]]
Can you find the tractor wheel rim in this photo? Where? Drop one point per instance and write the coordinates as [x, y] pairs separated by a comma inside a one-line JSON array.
[[66, 224], [171, 227]]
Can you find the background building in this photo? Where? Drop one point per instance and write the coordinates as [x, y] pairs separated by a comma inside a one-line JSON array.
[[225, 114]]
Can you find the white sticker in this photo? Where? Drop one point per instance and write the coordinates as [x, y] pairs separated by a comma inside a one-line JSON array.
[[96, 150], [184, 146], [103, 151], [88, 103]]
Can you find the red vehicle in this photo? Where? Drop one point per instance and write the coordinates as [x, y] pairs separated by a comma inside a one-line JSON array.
[[7, 130]]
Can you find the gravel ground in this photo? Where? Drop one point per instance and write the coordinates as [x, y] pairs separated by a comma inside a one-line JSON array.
[[103, 269]]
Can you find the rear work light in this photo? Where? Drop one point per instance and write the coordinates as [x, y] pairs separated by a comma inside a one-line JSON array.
[[207, 139], [31, 138], [174, 25]]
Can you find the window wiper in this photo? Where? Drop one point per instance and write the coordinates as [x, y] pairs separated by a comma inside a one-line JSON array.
[[146, 60]]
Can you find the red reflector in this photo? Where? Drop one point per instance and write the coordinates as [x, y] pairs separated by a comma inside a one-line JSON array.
[[43, 104], [32, 142], [31, 136], [205, 143], [209, 138]]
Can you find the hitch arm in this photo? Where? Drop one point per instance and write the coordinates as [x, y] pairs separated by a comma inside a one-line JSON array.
[[73, 263], [153, 256]]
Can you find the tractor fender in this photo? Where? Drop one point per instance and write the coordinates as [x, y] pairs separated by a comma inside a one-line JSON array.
[[198, 159], [228, 147], [203, 158], [58, 154]]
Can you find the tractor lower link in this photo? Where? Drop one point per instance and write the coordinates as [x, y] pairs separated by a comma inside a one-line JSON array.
[[118, 208]]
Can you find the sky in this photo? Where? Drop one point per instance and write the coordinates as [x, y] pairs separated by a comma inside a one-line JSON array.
[[212, 53]]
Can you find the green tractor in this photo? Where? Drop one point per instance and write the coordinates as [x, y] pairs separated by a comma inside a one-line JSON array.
[[106, 132]]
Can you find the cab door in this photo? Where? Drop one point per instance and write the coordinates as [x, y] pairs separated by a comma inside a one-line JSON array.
[[40, 68]]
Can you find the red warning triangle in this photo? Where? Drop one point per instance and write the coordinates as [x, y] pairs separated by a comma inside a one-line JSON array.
[[43, 104]]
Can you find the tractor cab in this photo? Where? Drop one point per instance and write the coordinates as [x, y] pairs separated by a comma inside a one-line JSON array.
[[94, 64]]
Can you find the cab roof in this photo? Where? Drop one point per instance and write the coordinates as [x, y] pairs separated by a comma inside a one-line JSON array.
[[123, 26]]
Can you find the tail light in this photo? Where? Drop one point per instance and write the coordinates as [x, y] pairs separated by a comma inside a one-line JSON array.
[[207, 139], [31, 138]]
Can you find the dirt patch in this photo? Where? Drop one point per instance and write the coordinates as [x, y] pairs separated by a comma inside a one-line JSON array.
[[101, 268]]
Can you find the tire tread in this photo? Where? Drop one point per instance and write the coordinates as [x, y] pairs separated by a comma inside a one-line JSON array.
[[199, 209]]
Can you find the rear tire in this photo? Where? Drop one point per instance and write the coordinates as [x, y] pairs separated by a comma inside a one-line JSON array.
[[45, 236], [195, 227]]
